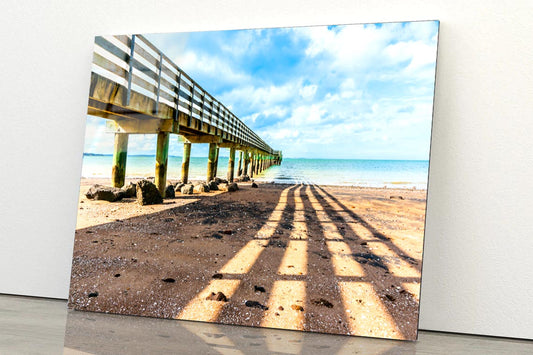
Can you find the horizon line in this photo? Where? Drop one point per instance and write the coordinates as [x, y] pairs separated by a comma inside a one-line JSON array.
[[302, 158]]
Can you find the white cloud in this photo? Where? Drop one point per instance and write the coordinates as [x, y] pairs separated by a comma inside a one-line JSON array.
[[308, 91]]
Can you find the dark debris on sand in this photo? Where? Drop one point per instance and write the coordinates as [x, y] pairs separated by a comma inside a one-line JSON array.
[[219, 296], [255, 304]]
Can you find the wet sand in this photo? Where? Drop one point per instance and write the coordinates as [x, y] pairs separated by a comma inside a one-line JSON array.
[[329, 259]]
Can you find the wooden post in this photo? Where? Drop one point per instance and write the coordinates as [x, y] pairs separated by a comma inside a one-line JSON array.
[[246, 162], [211, 161], [239, 169], [185, 162], [161, 160], [252, 166], [231, 164], [120, 153], [216, 162]]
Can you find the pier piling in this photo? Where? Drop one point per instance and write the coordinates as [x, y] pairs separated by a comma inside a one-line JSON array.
[[231, 164], [120, 154], [211, 161], [252, 165], [239, 169], [246, 162], [216, 162], [161, 160], [185, 162]]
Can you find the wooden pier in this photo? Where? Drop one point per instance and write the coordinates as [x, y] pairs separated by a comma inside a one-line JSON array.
[[139, 90]]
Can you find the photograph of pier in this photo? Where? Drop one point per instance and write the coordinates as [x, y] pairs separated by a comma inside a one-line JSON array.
[[267, 177]]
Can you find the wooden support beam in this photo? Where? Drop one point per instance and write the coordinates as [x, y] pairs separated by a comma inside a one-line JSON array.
[[161, 161], [141, 126], [230, 145], [202, 139], [239, 169], [231, 164], [211, 161], [185, 162], [120, 154], [216, 161]]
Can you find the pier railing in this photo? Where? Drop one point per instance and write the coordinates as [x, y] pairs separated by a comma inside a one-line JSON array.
[[131, 78]]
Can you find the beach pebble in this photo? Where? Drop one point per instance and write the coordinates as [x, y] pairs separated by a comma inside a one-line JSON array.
[[219, 296], [233, 187], [217, 276], [255, 304], [259, 288], [169, 192], [254, 185], [178, 187], [213, 185], [187, 189], [130, 190], [147, 193], [168, 280], [297, 307], [396, 197], [390, 297], [93, 294], [106, 193], [201, 187], [244, 178], [322, 302], [216, 236]]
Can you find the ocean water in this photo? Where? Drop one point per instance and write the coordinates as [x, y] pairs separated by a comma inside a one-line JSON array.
[[346, 172]]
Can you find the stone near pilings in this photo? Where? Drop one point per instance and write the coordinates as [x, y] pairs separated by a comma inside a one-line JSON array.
[[169, 192], [148, 194], [233, 187], [202, 187], [130, 190], [178, 187], [187, 189], [105, 193], [213, 185]]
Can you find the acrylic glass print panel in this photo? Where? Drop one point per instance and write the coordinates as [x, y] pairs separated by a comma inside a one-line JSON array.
[[267, 177]]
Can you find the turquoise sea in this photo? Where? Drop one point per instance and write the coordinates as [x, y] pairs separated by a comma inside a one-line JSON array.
[[347, 172]]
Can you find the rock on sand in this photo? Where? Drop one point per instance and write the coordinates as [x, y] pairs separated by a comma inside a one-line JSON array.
[[147, 193], [202, 187], [106, 193], [187, 189]]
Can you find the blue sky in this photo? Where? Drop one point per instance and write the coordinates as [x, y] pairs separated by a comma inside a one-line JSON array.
[[352, 92]]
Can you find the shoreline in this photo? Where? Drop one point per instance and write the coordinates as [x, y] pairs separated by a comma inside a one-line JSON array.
[[355, 187]]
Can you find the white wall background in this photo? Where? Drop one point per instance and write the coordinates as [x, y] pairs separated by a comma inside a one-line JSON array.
[[477, 275]]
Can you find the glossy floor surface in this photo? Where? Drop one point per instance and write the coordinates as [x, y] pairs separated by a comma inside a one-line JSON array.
[[43, 326]]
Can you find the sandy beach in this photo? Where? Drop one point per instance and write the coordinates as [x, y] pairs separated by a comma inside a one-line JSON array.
[[329, 259]]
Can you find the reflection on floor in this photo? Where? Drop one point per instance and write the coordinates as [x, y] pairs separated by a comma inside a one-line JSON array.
[[43, 326]]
